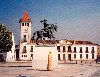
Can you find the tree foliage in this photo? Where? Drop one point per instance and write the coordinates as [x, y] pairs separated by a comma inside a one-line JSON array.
[[5, 39]]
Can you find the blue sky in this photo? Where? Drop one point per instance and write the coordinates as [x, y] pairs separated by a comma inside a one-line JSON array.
[[76, 19]]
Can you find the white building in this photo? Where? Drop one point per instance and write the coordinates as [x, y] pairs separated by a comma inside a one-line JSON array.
[[76, 50], [25, 36], [11, 55], [27, 48], [67, 50]]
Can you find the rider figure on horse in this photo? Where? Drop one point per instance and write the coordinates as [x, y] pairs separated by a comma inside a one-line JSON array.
[[48, 31], [44, 23]]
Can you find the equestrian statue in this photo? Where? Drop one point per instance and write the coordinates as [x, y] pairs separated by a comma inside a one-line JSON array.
[[47, 32]]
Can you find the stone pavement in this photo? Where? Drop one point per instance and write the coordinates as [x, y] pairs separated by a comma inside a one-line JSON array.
[[96, 74], [24, 69]]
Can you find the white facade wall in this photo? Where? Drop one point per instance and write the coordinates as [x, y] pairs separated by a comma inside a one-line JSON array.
[[25, 30], [66, 56], [11, 55], [28, 53]]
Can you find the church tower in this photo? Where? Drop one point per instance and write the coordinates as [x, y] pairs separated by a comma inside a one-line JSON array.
[[25, 28]]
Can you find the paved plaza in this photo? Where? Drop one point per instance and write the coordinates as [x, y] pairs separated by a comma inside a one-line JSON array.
[[24, 69]]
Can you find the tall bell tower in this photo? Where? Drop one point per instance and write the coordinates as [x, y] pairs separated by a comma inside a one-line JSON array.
[[25, 28]]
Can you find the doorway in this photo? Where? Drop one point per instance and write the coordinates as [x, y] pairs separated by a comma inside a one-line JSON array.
[[69, 57], [17, 54]]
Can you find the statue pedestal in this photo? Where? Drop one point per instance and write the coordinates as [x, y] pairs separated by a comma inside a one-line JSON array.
[[40, 57]]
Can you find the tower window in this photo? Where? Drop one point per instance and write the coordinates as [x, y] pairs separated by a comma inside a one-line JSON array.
[[22, 24], [24, 49], [27, 24], [25, 38]]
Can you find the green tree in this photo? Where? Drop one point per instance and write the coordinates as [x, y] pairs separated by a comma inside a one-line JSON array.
[[5, 39]]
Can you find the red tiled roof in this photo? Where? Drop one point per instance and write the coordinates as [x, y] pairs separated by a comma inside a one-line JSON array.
[[26, 17], [79, 42]]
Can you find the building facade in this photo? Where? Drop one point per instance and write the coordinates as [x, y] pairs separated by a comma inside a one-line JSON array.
[[76, 50], [11, 55], [25, 37], [67, 50]]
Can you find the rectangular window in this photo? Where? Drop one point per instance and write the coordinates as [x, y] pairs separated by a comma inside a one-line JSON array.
[[25, 38], [58, 56], [32, 56], [74, 49], [31, 49], [80, 49], [27, 24], [22, 24], [74, 56], [80, 56], [58, 48], [86, 56], [64, 58], [92, 50], [69, 48], [92, 56], [24, 49], [63, 48], [87, 50]]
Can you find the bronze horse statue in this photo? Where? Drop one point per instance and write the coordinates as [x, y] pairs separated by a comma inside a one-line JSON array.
[[48, 32]]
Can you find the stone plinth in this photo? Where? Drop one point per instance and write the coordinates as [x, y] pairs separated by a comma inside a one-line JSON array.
[[40, 57]]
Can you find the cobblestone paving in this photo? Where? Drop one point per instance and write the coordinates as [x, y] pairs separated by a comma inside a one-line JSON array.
[[63, 70], [96, 74]]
